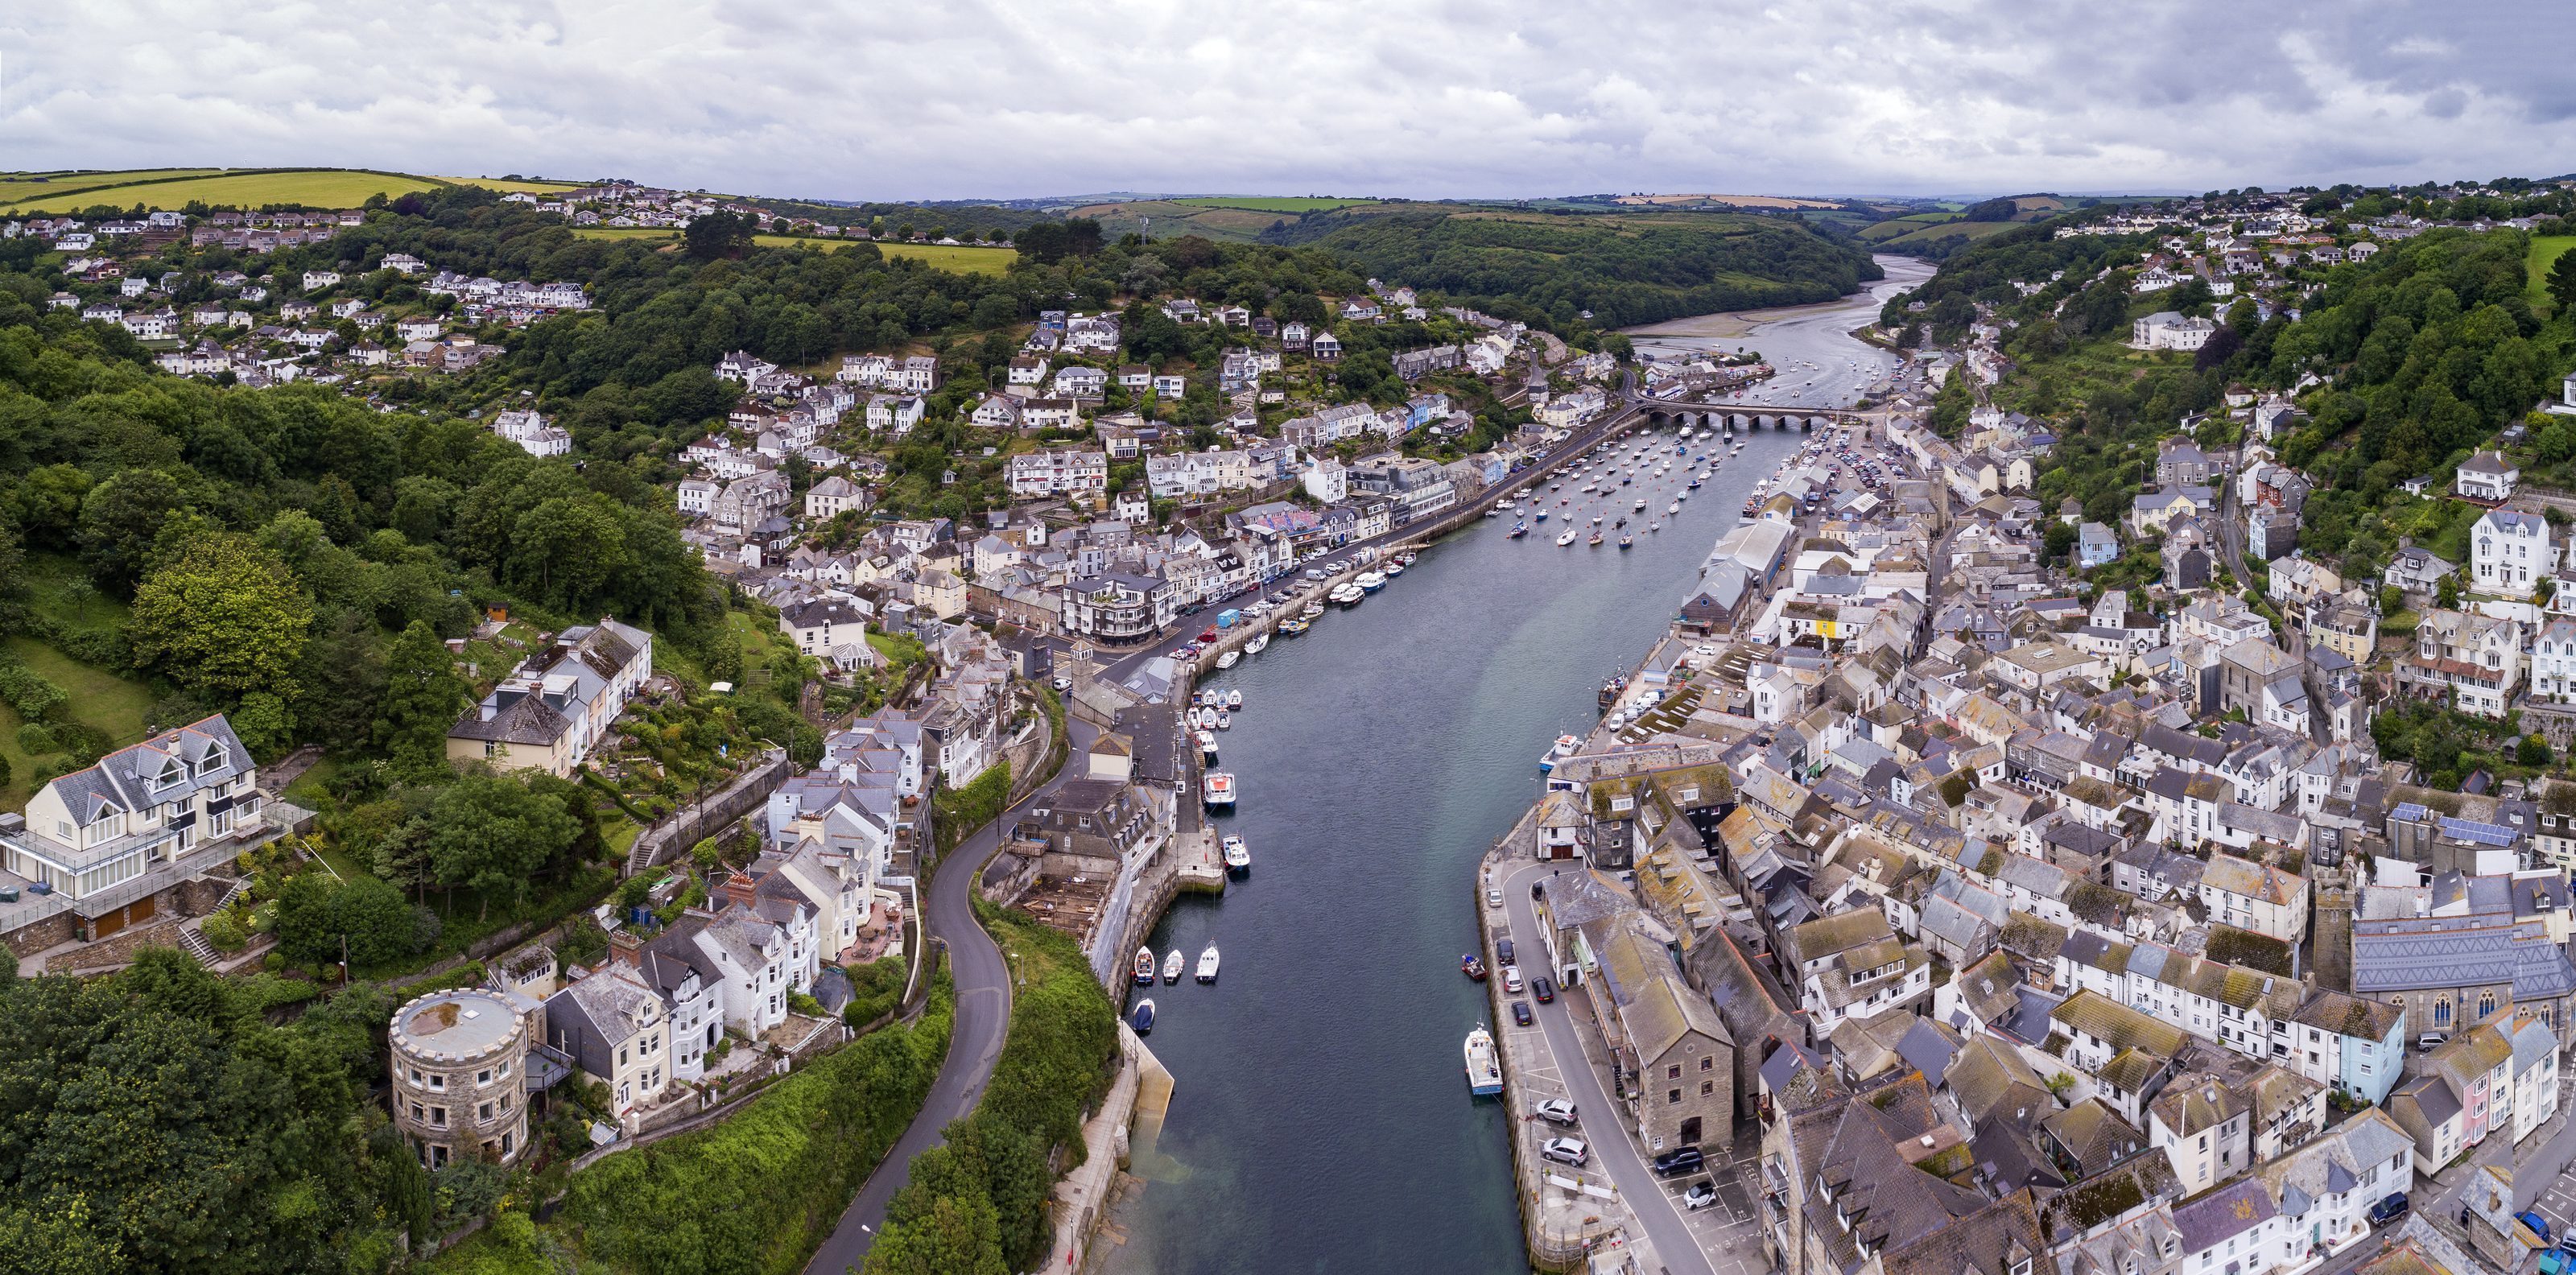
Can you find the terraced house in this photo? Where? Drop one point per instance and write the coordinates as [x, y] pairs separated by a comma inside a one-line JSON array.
[[556, 708]]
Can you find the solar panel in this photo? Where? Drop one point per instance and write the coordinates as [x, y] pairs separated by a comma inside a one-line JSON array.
[[2485, 834], [2410, 812]]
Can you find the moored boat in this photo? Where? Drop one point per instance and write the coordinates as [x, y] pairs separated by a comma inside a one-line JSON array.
[[1370, 581], [1519, 529], [1207, 964], [1143, 1020], [1259, 643], [1224, 720], [1564, 540], [1295, 626], [1627, 539], [1238, 857], [1484, 1067], [1234, 701], [1562, 749], [1595, 541], [1218, 790], [1471, 966], [1229, 659], [1145, 966], [1173, 965], [1207, 744]]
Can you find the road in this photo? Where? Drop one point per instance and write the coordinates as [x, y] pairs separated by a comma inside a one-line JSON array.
[[982, 1023], [1613, 1144]]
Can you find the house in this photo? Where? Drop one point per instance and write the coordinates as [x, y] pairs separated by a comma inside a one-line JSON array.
[[1059, 472], [2257, 897], [615, 1028], [2486, 478], [2509, 552], [820, 626], [2169, 330], [2095, 545], [557, 707], [834, 496], [532, 432], [107, 847], [460, 1078], [2471, 657], [2415, 570]]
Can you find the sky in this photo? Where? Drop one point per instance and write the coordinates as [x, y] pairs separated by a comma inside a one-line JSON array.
[[952, 99]]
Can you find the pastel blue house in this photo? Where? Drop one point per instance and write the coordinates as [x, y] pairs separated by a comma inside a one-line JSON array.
[[2095, 544], [2355, 1045]]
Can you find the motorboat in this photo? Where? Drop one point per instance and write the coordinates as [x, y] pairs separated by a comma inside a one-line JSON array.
[[1370, 581], [1143, 1020], [1519, 529], [1655, 526], [1238, 858], [1641, 504], [1224, 720], [1595, 541], [1542, 516], [1394, 569], [1626, 540], [1504, 506], [1408, 558], [1564, 540], [1207, 743], [1173, 965], [1229, 659], [1311, 612], [1234, 701], [1472, 967], [1673, 508], [1294, 626], [1218, 790], [1207, 964], [1484, 1066], [1145, 966], [1564, 747], [1260, 642]]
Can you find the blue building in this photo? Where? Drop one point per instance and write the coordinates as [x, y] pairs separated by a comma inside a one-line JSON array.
[[2095, 544], [2355, 1045]]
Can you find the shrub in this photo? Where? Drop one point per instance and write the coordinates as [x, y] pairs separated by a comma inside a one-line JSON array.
[[102, 648], [225, 932], [35, 698], [806, 1005], [83, 742], [35, 741], [874, 989]]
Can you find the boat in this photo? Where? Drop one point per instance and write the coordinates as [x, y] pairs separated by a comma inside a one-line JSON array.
[[1626, 539], [1234, 701], [1504, 506], [1472, 967], [1260, 642], [1542, 515], [1673, 508], [1311, 612], [1394, 569], [1641, 504], [1224, 720], [1207, 744], [1595, 541], [1519, 529], [1408, 557], [1173, 965], [1143, 1021], [1562, 749], [1677, 501], [1564, 540], [1484, 1068], [1493, 511], [1229, 659], [1596, 520], [1145, 966], [1655, 526], [1294, 626], [1347, 594], [1694, 483], [1238, 857], [1218, 790], [1370, 581], [1207, 964]]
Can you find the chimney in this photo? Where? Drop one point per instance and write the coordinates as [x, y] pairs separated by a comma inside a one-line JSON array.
[[738, 888], [625, 946]]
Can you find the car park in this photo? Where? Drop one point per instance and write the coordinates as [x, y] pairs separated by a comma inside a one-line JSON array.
[[1521, 1013], [1555, 1111], [1566, 1151]]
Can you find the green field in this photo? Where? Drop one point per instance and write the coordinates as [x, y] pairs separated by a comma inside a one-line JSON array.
[[98, 698], [2536, 267], [954, 258], [632, 232], [506, 186], [18, 186], [1271, 203], [320, 188], [1922, 235]]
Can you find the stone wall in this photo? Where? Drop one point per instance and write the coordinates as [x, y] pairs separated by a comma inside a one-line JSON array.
[[685, 827], [118, 949]]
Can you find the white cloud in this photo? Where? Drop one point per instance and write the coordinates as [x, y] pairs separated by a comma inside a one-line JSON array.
[[959, 98]]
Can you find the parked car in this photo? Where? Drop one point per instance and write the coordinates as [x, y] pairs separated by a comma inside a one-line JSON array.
[[1512, 978], [2388, 1210], [1064, 683], [1555, 1111], [1493, 898], [1566, 1151], [2539, 1225], [1700, 1195], [1521, 1013], [1207, 635], [1544, 988], [1503, 951], [1675, 1163]]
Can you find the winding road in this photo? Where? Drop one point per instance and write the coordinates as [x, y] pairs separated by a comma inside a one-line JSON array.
[[982, 1023]]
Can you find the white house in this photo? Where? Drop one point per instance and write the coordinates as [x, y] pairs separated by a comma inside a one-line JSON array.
[[2487, 478], [2168, 330], [2509, 551]]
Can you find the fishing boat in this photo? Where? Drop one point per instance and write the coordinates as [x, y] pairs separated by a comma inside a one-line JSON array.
[[1673, 508], [1234, 701], [1218, 790], [1207, 964], [1260, 642], [1484, 1068], [1370, 581], [1493, 511], [1145, 966], [1295, 626], [1505, 506], [1470, 966], [1143, 1021], [1238, 857], [1224, 720], [1229, 659], [1519, 529], [1207, 744], [1564, 540], [1394, 569], [1173, 965], [1311, 612], [1347, 594], [1626, 540], [1563, 748], [1595, 541]]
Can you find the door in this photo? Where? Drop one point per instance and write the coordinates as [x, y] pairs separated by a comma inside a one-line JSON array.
[[1690, 1132]]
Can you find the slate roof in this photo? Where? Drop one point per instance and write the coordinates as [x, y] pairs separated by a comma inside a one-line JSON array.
[[2229, 1211]]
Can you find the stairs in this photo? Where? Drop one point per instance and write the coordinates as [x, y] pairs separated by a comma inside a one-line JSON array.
[[195, 944]]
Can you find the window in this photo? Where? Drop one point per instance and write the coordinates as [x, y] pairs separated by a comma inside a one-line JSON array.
[[1707, 1087], [437, 1082], [438, 1117], [2486, 1003], [1672, 1096], [1673, 1072], [1709, 1063], [484, 1113], [483, 1077]]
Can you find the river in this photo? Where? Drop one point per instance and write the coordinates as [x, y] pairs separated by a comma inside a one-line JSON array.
[[1320, 1121]]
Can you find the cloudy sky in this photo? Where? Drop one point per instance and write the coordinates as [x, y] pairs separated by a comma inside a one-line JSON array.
[[982, 98]]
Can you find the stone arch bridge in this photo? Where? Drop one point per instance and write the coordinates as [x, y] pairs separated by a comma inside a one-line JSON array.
[[1745, 418]]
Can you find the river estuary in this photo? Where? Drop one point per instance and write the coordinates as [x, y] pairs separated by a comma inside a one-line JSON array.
[[1321, 1123]]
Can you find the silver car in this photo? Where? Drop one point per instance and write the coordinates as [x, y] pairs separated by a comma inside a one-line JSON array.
[[1555, 1111], [1566, 1151]]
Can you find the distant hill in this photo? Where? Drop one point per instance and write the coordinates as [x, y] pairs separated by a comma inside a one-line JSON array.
[[25, 194]]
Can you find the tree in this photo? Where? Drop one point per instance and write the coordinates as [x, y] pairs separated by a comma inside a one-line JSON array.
[[2562, 281], [952, 1235], [423, 697], [223, 617], [120, 518], [2532, 751], [718, 234], [492, 834], [316, 914]]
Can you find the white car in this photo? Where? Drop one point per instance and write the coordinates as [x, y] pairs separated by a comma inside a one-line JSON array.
[[1704, 651], [1493, 898], [1566, 1151], [1064, 683], [1701, 1194], [1555, 1111], [1512, 978]]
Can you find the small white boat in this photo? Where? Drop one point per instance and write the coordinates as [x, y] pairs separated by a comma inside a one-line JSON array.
[[1484, 1067], [1394, 569], [1673, 508], [1238, 856], [1229, 659], [1234, 701], [1207, 744], [1173, 965], [1259, 643], [1207, 964], [1564, 540], [1144, 967], [1224, 720]]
